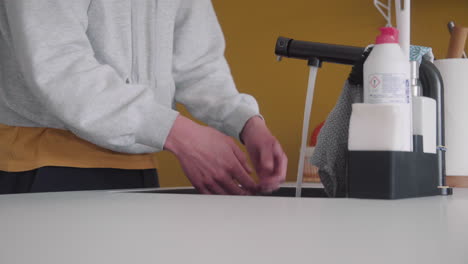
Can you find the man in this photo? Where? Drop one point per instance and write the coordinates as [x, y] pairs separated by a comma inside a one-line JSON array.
[[88, 90]]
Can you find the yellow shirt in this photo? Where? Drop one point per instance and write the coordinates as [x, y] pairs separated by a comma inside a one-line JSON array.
[[26, 148]]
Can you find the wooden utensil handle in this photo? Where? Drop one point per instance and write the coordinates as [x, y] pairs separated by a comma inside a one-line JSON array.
[[457, 42]]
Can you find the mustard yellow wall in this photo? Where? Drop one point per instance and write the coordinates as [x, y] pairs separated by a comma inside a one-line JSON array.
[[251, 28]]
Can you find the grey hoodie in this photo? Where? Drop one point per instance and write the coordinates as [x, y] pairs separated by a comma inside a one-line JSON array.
[[111, 71]]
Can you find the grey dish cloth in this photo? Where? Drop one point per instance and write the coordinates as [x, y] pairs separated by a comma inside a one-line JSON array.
[[332, 145]]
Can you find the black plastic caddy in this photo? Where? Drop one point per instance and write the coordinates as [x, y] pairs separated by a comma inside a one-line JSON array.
[[384, 174], [392, 175]]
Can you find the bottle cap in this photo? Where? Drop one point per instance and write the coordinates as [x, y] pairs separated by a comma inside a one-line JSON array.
[[388, 35]]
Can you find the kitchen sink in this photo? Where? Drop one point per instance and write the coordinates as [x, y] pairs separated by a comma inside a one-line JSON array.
[[282, 192]]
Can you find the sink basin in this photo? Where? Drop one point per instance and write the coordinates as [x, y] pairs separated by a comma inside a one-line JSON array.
[[282, 192]]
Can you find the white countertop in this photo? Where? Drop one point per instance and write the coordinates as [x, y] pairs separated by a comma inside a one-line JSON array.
[[106, 227]]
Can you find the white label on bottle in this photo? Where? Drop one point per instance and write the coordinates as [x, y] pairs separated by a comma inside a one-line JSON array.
[[387, 88]]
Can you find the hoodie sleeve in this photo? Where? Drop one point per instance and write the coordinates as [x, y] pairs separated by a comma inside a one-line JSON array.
[[91, 99], [204, 83]]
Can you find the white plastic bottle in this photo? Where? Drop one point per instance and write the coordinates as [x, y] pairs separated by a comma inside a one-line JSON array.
[[424, 113], [387, 71], [387, 74]]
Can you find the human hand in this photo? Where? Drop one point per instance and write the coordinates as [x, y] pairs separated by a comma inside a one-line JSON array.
[[213, 163], [266, 153]]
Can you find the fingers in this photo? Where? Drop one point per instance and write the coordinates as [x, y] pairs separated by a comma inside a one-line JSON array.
[[196, 179], [271, 181], [218, 168], [269, 186], [281, 160], [242, 158], [244, 180], [216, 183], [284, 167], [230, 187], [219, 182], [203, 190], [237, 169], [241, 171], [214, 188], [213, 184], [267, 161]]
